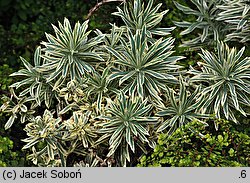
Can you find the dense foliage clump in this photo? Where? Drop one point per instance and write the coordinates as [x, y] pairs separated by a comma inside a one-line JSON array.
[[199, 145], [8, 157], [105, 98]]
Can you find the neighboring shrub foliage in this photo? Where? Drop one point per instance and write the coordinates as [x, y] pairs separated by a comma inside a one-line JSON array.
[[9, 158], [199, 145]]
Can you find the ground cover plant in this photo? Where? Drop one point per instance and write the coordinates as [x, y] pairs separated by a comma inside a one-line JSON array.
[[8, 157], [89, 98], [226, 147]]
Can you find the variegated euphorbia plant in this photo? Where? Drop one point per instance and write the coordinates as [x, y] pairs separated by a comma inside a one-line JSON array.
[[211, 29], [237, 14], [104, 98], [228, 77], [217, 20]]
